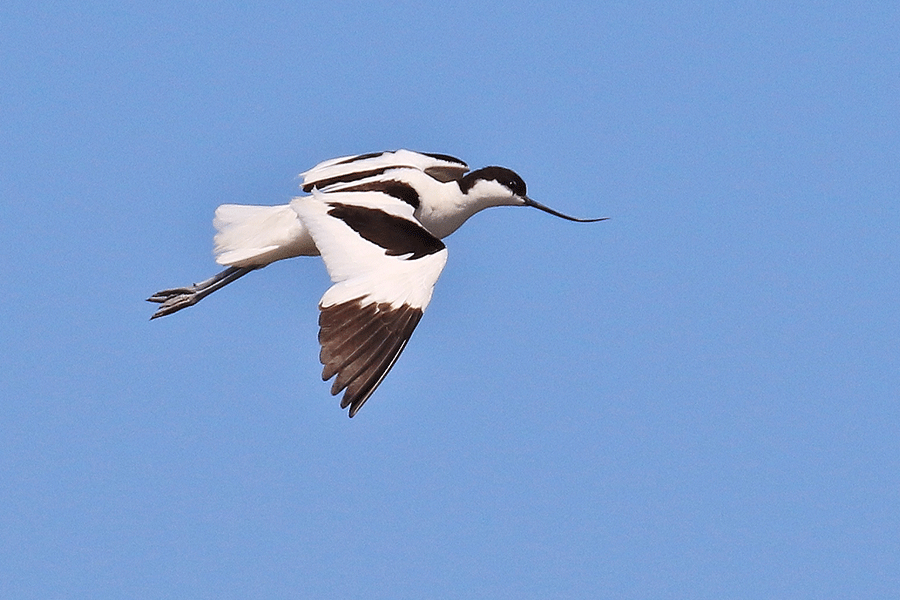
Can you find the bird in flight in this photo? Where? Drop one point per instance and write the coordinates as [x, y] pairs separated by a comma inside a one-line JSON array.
[[377, 221]]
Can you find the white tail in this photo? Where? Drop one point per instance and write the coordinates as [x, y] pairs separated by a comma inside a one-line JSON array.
[[258, 235]]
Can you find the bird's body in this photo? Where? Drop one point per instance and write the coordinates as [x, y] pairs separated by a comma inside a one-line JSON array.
[[377, 220]]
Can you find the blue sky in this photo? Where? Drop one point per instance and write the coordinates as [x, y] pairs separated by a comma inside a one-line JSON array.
[[695, 399]]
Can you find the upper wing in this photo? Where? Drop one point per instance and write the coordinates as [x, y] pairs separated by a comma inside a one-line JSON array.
[[384, 265], [332, 174]]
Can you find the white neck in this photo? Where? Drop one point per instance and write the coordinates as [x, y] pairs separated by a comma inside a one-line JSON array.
[[445, 212]]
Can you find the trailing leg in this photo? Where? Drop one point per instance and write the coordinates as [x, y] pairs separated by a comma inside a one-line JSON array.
[[175, 299]]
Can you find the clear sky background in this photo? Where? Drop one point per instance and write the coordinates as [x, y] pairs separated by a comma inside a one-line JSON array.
[[699, 398]]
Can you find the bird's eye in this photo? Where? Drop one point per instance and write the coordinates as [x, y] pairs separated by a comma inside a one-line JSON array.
[[515, 187]]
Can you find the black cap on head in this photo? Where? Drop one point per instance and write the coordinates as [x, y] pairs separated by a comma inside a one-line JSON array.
[[501, 175], [511, 180]]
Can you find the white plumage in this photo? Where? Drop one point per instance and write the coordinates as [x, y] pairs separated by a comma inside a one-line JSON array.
[[259, 235], [361, 269], [377, 221]]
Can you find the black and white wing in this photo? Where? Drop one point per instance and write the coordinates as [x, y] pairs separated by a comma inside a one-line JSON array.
[[384, 265], [334, 174]]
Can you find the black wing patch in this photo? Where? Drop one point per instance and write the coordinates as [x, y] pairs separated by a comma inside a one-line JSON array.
[[360, 157], [398, 236], [446, 174], [447, 158], [443, 173], [345, 178], [396, 189], [360, 344]]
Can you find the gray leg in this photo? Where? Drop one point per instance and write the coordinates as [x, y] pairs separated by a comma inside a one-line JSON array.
[[177, 298]]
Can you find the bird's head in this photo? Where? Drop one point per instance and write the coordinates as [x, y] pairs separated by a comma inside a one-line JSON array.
[[499, 186]]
